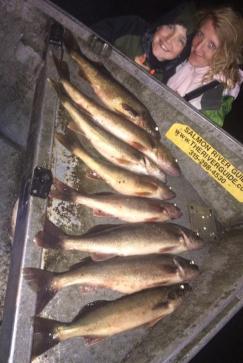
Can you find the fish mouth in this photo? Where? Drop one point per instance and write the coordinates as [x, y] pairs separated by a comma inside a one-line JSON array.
[[172, 212], [172, 168], [169, 194], [191, 242]]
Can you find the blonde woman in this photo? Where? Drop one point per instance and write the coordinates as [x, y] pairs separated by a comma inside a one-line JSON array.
[[210, 79]]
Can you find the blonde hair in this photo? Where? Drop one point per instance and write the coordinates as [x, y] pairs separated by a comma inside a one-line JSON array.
[[228, 26]]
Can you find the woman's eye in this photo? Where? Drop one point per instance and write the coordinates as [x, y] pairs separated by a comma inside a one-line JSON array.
[[211, 46], [171, 26], [183, 42], [199, 34]]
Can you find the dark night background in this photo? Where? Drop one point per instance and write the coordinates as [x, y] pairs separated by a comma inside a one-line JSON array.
[[91, 11], [227, 345]]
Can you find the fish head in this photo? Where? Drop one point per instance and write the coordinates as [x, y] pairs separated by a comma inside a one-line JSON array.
[[190, 239], [149, 125], [166, 161], [153, 170], [166, 191], [178, 292], [187, 269], [171, 211]]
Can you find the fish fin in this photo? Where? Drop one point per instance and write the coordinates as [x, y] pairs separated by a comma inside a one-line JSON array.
[[52, 229], [151, 219], [81, 263], [45, 240], [92, 340], [93, 175], [99, 228], [62, 191], [70, 42], [142, 194], [43, 337], [123, 161], [83, 75], [138, 146], [101, 257], [58, 87], [99, 213], [104, 193], [62, 68], [166, 250], [130, 110], [69, 140], [41, 282], [154, 322], [90, 307], [74, 127]]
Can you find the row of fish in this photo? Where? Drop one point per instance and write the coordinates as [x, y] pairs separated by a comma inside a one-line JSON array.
[[138, 258]]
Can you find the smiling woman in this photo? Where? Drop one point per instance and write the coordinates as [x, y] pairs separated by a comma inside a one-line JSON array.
[[169, 41], [205, 45], [211, 77], [158, 48]]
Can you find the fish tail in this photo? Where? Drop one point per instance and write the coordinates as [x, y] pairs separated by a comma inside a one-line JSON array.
[[44, 335], [41, 282], [70, 42], [46, 240], [62, 68], [63, 191], [69, 140], [58, 88]]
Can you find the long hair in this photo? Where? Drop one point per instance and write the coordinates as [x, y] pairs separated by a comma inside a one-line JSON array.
[[228, 26]]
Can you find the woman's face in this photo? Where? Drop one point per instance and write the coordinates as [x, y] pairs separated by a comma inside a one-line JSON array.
[[169, 41], [205, 44]]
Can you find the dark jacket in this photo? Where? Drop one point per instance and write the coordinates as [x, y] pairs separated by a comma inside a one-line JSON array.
[[132, 35]]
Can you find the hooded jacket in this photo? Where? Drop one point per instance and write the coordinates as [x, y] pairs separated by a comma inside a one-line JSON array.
[[132, 35]]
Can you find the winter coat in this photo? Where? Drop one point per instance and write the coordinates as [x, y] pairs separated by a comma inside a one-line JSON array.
[[215, 102]]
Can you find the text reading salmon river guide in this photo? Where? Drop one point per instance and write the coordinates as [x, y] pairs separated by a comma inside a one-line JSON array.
[[214, 163]]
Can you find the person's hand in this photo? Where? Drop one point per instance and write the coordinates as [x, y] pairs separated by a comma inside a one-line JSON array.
[[140, 59]]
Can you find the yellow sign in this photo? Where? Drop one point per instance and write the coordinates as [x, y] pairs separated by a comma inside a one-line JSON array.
[[214, 163]]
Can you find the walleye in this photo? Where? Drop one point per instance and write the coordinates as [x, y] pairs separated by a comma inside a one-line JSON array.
[[110, 121], [112, 148], [102, 319], [123, 274], [120, 127], [114, 96], [106, 241], [129, 209], [121, 180]]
